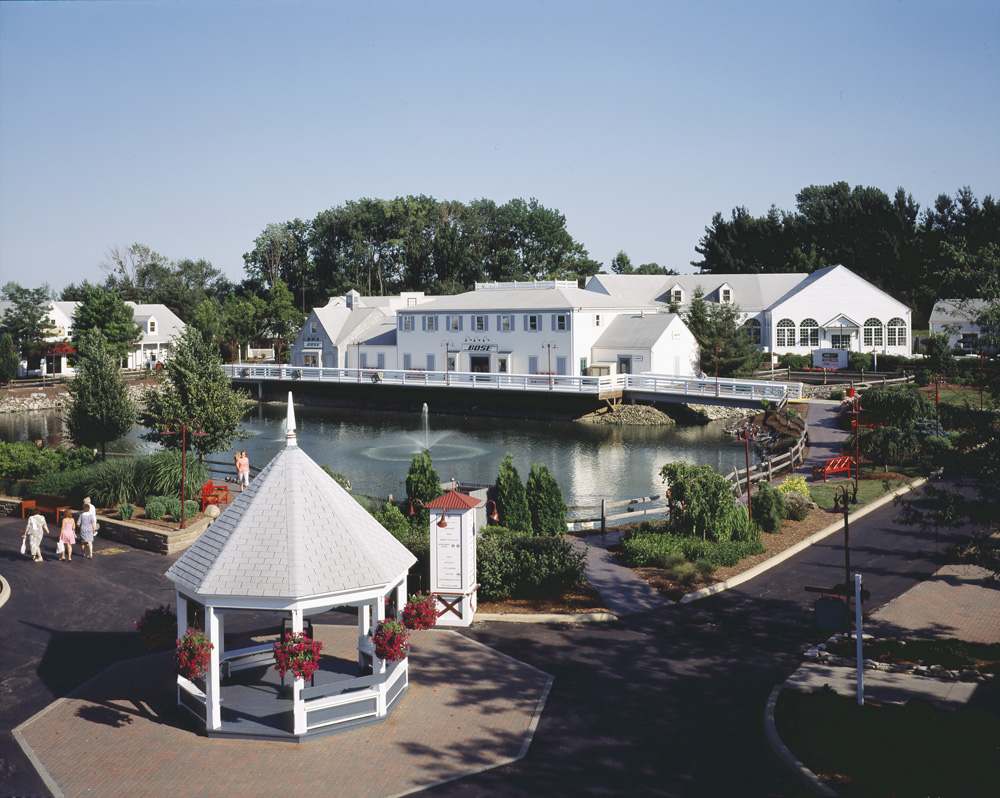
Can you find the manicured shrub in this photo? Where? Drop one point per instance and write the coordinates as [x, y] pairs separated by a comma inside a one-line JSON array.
[[514, 565], [70, 484], [795, 485], [859, 361], [793, 361], [837, 395], [796, 506], [155, 508], [545, 502], [511, 498], [125, 511], [191, 508], [768, 508], [173, 506]]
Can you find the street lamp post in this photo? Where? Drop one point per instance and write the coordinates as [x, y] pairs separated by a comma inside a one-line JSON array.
[[842, 498], [746, 439], [982, 361], [550, 346], [183, 430], [447, 352], [495, 515]]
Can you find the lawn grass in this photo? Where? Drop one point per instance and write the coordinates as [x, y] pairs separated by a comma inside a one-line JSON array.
[[891, 750], [868, 491]]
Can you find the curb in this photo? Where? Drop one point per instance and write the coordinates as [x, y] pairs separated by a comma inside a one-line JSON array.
[[548, 617], [815, 784], [4, 590], [791, 551]]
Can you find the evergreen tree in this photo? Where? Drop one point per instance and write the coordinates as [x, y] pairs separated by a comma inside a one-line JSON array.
[[196, 391], [10, 363], [106, 311], [511, 500], [717, 324], [100, 408], [27, 318], [423, 484], [545, 502]]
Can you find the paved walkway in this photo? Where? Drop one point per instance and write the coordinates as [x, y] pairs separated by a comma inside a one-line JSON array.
[[468, 708]]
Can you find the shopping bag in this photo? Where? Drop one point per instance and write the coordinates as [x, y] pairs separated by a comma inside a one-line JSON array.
[[60, 547], [24, 546]]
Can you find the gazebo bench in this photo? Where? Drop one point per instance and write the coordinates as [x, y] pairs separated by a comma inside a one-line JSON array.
[[46, 503], [213, 494]]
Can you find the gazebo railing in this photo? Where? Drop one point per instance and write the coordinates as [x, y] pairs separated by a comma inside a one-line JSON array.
[[352, 699]]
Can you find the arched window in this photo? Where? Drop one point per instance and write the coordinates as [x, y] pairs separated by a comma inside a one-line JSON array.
[[786, 333], [809, 333], [896, 332], [752, 326], [873, 333]]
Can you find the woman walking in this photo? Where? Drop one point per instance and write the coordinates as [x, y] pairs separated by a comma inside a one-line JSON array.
[[86, 525], [33, 532], [67, 536]]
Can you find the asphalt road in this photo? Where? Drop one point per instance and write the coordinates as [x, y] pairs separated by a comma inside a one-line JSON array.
[[666, 703]]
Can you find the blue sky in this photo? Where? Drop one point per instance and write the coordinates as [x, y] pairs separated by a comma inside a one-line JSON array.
[[189, 126]]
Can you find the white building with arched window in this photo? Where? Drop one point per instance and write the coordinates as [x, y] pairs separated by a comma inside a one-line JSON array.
[[832, 308]]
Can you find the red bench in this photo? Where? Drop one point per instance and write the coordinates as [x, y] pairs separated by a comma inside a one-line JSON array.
[[213, 494], [835, 465], [45, 503]]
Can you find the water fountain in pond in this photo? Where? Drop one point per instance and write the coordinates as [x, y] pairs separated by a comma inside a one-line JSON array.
[[403, 452]]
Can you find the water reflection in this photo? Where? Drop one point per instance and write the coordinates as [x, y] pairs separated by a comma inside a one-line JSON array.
[[374, 449]]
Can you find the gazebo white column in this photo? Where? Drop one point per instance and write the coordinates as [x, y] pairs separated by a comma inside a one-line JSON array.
[[213, 630]]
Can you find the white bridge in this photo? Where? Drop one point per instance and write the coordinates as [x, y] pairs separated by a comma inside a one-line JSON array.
[[650, 387]]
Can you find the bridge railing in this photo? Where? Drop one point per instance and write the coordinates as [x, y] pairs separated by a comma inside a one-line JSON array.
[[744, 391]]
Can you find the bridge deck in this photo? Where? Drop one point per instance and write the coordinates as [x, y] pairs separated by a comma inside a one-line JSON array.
[[654, 387]]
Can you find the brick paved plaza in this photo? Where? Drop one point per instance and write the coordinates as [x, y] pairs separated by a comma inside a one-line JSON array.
[[468, 708]]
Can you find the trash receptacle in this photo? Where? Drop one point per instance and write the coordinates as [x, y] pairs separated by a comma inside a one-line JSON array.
[[831, 613]]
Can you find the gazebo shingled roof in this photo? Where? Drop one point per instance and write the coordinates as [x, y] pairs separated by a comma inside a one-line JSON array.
[[295, 533]]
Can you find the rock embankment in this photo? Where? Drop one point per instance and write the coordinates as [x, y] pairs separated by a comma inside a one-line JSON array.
[[716, 413], [17, 400], [633, 415]]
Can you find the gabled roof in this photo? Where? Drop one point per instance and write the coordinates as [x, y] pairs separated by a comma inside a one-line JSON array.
[[168, 324], [954, 311], [635, 332], [381, 334], [453, 500], [751, 292], [294, 533], [345, 326]]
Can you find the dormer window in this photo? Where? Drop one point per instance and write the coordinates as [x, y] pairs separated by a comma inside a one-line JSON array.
[[312, 327], [152, 326], [676, 295]]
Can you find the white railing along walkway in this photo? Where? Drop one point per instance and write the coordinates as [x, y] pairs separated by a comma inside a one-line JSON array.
[[743, 391]]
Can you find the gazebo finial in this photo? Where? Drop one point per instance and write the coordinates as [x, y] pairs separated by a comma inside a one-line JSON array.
[[290, 424]]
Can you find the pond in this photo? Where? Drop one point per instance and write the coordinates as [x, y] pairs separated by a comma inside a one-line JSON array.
[[374, 449]]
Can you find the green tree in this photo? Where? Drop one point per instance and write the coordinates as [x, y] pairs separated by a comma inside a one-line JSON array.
[[895, 406], [884, 444], [10, 363], [718, 324], [940, 359], [545, 502], [511, 499], [100, 408], [27, 319], [107, 313], [195, 390], [700, 501], [621, 264], [281, 319], [243, 315], [209, 318], [422, 485]]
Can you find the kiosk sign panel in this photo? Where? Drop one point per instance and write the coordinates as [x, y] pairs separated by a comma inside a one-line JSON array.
[[448, 575]]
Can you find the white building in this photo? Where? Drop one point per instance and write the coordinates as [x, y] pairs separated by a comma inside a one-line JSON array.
[[550, 327], [160, 326], [352, 328], [955, 318], [831, 308], [158, 323]]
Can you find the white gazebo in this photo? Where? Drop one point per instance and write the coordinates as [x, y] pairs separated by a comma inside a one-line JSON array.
[[293, 544]]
